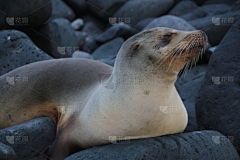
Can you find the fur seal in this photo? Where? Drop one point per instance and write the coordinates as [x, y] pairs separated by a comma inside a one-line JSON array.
[[92, 102]]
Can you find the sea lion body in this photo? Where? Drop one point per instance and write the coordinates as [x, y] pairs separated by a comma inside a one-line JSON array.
[[89, 108]]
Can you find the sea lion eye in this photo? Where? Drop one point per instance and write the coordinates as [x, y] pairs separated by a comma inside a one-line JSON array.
[[135, 47], [168, 34]]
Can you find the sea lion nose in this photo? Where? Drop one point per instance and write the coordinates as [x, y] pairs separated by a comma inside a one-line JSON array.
[[204, 35]]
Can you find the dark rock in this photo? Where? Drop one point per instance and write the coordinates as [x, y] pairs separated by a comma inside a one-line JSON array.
[[95, 20], [143, 23], [118, 30], [17, 50], [89, 45], [170, 22], [188, 93], [77, 24], [29, 138], [192, 74], [109, 49], [81, 54], [91, 29], [193, 145], [24, 14], [79, 6], [61, 10], [104, 9], [183, 7], [215, 9], [207, 55], [81, 36], [215, 27], [207, 10], [198, 2], [57, 38], [7, 153], [188, 86], [229, 2], [217, 105], [236, 6], [138, 10]]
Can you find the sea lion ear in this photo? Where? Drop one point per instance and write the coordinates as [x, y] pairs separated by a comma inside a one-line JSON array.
[[136, 47]]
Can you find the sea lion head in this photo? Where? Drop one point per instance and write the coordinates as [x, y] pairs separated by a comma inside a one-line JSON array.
[[160, 50]]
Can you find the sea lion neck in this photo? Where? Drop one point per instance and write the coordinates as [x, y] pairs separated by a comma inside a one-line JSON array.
[[147, 79]]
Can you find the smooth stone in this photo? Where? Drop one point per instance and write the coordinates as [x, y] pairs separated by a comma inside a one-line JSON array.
[[109, 61], [31, 14], [89, 18], [118, 30], [236, 6], [217, 105], [192, 145], [104, 8], [57, 38], [170, 21], [229, 2], [109, 49], [138, 10], [17, 50], [198, 2], [61, 10], [79, 6], [7, 153], [183, 7], [91, 29], [89, 45], [143, 23], [77, 24], [29, 138], [207, 10], [81, 54]]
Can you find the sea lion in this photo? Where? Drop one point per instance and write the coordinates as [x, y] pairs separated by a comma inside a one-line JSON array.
[[92, 102]]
